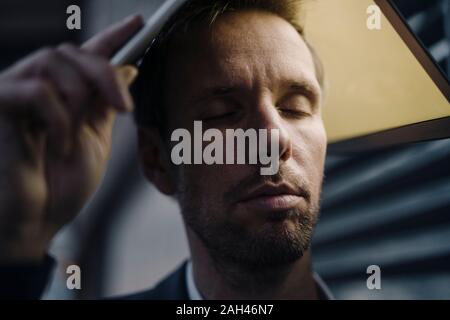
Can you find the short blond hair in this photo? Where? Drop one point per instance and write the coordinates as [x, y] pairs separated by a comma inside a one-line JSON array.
[[147, 89], [290, 10]]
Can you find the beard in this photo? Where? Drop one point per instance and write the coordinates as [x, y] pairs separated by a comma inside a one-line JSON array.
[[274, 245], [280, 241]]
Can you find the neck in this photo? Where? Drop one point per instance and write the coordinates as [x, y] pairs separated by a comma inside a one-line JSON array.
[[218, 280]]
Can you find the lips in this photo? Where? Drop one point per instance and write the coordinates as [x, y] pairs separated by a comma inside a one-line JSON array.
[[273, 197]]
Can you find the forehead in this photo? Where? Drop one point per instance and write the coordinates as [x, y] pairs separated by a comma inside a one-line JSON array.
[[246, 48]]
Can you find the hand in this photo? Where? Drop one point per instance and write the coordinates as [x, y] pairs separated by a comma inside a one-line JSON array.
[[57, 109]]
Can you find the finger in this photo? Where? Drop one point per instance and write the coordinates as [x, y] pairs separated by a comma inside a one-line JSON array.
[[126, 75], [110, 40], [36, 101], [71, 85], [101, 75], [102, 120]]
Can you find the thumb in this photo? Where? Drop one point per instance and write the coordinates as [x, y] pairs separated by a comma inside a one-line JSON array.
[[126, 75]]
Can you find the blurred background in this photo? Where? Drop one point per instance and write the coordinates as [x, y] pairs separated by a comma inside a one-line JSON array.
[[429, 21], [386, 207]]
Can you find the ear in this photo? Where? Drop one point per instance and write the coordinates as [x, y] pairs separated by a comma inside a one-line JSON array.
[[154, 160]]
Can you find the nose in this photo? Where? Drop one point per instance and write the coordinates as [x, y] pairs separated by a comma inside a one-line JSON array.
[[266, 116]]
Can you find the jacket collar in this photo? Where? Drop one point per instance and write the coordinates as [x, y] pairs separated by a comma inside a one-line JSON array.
[[193, 294]]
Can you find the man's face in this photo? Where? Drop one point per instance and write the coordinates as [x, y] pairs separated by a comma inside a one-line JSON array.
[[251, 69]]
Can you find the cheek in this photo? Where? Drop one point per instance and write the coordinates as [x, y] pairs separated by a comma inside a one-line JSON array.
[[206, 184], [319, 143], [318, 147], [310, 144]]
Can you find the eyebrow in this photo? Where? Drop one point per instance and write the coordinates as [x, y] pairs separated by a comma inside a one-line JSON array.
[[306, 88], [212, 92]]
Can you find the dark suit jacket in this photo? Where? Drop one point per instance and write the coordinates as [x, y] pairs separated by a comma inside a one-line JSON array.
[[174, 287], [28, 282]]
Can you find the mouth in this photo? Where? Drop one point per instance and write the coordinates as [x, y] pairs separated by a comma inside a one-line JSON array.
[[273, 198]]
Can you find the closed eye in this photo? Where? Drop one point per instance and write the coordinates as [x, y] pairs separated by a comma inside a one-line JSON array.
[[294, 114], [295, 106]]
